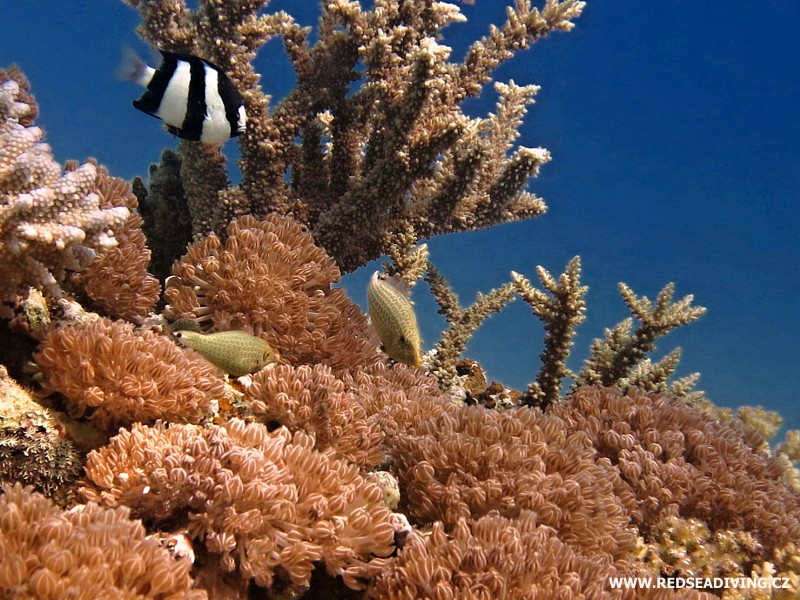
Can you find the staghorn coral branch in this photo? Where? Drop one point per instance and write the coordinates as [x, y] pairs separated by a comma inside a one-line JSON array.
[[561, 312], [463, 322], [525, 26], [204, 176], [613, 358], [653, 376], [409, 260]]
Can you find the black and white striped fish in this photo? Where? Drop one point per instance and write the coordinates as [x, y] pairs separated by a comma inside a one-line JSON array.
[[192, 96]]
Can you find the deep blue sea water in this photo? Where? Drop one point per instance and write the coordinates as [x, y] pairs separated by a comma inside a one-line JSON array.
[[675, 133]]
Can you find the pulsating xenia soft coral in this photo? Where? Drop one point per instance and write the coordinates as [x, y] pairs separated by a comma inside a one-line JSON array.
[[262, 501], [268, 277], [85, 552], [115, 376], [51, 222]]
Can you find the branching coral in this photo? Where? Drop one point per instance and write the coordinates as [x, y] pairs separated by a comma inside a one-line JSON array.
[[620, 358], [50, 222], [561, 312], [462, 321], [116, 376], [269, 278], [262, 501], [83, 552], [384, 148]]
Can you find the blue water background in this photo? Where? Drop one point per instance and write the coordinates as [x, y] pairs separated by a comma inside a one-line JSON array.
[[675, 133]]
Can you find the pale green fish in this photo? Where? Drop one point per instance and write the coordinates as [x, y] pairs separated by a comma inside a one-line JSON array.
[[392, 315], [235, 352]]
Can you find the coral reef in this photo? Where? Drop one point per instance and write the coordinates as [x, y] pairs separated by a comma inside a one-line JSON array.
[[493, 557], [34, 448], [83, 552], [117, 280], [313, 399], [50, 222], [561, 312], [334, 472], [686, 546], [458, 462], [462, 322], [672, 461]]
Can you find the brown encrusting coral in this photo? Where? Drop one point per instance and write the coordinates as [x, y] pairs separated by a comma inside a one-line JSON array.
[[269, 278], [85, 552], [261, 501], [687, 546], [34, 448], [116, 376]]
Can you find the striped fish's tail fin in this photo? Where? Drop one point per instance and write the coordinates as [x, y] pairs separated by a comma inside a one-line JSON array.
[[133, 68]]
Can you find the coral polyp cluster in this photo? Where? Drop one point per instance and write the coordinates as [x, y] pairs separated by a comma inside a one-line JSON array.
[[82, 552], [115, 376], [258, 500], [269, 278], [253, 436]]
